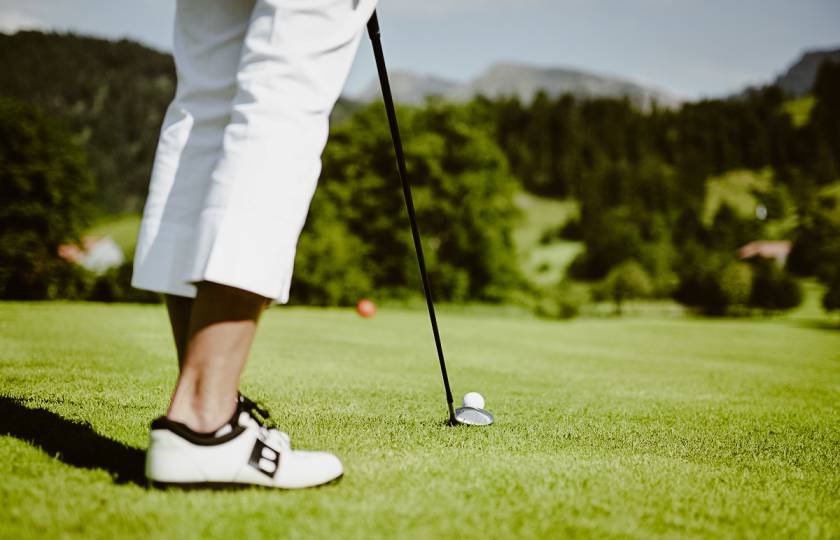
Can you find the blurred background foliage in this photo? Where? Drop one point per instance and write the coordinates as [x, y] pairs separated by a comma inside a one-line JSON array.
[[46, 191], [553, 203]]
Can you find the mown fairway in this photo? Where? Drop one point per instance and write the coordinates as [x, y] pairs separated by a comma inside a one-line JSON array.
[[605, 427]]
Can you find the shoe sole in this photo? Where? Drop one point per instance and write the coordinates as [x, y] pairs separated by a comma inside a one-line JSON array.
[[230, 486]]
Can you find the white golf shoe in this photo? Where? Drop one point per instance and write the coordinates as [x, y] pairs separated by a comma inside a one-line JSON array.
[[241, 453]]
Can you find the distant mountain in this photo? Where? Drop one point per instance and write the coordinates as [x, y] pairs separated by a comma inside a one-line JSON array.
[[408, 87], [523, 81], [800, 77]]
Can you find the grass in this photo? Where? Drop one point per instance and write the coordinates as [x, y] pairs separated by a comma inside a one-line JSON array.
[[633, 428], [800, 109], [738, 189], [123, 229], [544, 264], [743, 190]]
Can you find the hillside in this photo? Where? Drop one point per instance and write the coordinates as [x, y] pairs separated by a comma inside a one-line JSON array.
[[799, 77], [111, 94], [523, 81]]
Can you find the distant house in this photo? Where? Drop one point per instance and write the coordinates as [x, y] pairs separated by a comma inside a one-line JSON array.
[[96, 253], [777, 250]]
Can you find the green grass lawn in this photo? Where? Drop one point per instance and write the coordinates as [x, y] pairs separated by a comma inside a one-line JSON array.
[[635, 427], [544, 264], [123, 229]]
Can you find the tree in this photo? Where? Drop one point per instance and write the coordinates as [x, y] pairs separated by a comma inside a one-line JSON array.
[[562, 301], [627, 281], [831, 298], [729, 231], [736, 282], [699, 284], [45, 189], [825, 119], [816, 246], [111, 95], [332, 266], [463, 195], [773, 289], [610, 237]]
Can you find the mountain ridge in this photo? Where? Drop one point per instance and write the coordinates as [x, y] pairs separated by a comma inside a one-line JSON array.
[[524, 81], [800, 76]]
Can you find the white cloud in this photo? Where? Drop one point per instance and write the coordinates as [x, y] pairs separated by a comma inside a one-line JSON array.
[[12, 21]]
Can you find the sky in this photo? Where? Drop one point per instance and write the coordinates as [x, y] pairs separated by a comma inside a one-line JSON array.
[[690, 48]]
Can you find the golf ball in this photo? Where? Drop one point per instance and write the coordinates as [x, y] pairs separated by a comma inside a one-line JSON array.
[[474, 400], [366, 308]]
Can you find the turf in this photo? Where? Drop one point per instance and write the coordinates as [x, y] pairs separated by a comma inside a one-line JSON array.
[[632, 428], [123, 229], [544, 264]]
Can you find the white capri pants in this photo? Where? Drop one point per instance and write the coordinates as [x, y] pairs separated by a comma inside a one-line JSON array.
[[240, 148]]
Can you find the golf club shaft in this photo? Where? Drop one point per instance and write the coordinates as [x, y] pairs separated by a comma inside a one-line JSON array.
[[373, 31]]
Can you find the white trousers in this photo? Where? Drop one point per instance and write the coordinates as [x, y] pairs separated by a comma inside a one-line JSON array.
[[240, 148]]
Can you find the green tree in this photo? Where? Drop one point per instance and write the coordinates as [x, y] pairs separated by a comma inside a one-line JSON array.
[[729, 231], [831, 298], [611, 238], [825, 122], [111, 95], [699, 284], [816, 247], [563, 301], [463, 194], [773, 289], [46, 190], [736, 282], [627, 281], [332, 266]]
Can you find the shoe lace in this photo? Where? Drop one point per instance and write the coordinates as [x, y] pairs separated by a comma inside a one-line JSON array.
[[261, 416], [258, 412]]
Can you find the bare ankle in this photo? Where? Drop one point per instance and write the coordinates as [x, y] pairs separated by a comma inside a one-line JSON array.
[[202, 420], [201, 412]]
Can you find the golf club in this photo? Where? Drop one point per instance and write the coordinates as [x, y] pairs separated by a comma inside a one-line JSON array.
[[464, 415]]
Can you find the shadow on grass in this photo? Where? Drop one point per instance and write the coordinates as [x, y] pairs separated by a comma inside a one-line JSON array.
[[71, 442], [820, 324]]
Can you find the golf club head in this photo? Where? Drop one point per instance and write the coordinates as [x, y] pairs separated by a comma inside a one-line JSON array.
[[472, 416]]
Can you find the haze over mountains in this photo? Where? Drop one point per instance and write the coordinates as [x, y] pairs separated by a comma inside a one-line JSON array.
[[524, 81], [521, 80]]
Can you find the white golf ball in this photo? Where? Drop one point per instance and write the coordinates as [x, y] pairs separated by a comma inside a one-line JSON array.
[[474, 400]]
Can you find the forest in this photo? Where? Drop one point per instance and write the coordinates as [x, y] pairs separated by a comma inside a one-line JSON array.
[[79, 119]]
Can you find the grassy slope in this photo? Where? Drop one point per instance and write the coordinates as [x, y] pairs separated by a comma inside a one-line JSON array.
[[606, 428], [800, 109], [740, 189], [123, 229], [544, 264], [736, 188]]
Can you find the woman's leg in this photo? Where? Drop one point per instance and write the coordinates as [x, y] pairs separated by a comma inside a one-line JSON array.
[[295, 59], [179, 309], [222, 324], [230, 232], [208, 42]]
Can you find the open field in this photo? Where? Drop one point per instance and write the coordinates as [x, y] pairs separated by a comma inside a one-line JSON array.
[[544, 264], [638, 427], [123, 229]]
